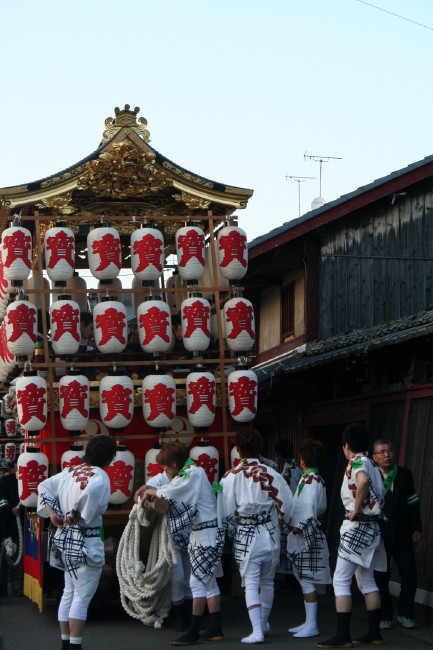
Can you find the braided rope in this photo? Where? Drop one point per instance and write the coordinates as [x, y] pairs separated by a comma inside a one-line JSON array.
[[9, 543], [145, 590]]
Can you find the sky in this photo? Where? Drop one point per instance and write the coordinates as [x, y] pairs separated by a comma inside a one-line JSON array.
[[235, 90]]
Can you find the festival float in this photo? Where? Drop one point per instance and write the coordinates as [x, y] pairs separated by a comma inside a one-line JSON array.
[[134, 239]]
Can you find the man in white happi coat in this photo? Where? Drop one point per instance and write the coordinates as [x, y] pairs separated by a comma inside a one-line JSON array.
[[361, 550], [306, 542], [254, 503], [75, 500]]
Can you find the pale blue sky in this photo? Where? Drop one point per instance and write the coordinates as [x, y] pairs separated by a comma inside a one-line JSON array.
[[235, 90]]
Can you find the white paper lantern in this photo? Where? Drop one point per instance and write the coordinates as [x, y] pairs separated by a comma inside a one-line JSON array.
[[147, 253], [16, 252], [154, 326], [201, 398], [121, 475], [74, 393], [104, 253], [151, 466], [235, 457], [110, 326], [65, 326], [116, 400], [21, 328], [159, 400], [242, 390], [10, 427], [195, 315], [206, 456], [59, 253], [5, 285], [7, 404], [32, 469], [232, 252], [239, 324], [32, 401], [10, 451], [190, 252], [73, 456]]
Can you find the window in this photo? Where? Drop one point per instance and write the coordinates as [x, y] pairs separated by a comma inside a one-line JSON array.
[[288, 310]]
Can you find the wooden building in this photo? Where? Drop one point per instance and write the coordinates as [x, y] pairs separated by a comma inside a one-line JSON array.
[[344, 299]]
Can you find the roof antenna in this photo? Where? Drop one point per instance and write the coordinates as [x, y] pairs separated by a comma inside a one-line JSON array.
[[299, 180], [320, 159]]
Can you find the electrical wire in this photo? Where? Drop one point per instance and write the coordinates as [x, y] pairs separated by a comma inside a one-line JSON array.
[[392, 13]]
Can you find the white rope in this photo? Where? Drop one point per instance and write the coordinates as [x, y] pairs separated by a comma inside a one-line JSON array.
[[9, 547], [145, 590]]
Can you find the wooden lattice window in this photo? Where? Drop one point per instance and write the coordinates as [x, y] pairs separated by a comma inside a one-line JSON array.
[[288, 310]]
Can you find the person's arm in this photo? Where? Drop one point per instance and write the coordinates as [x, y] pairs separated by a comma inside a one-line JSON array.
[[362, 487], [413, 507], [55, 519]]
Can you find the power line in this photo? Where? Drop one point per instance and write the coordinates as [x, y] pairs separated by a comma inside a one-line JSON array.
[[409, 20]]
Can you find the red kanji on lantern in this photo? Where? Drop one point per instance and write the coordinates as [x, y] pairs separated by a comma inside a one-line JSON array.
[[149, 250], [31, 475], [10, 427], [120, 475], [244, 392], [160, 399], [66, 318], [74, 395], [233, 246], [242, 317], [62, 246], [153, 469], [197, 317], [192, 245], [17, 246], [118, 400], [32, 401], [108, 249], [209, 465], [81, 473], [155, 322], [202, 392], [112, 324], [22, 319]]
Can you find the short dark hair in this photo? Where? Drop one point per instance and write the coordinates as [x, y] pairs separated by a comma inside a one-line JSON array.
[[381, 441], [249, 441], [357, 436], [312, 452], [100, 451], [284, 447], [173, 453], [86, 317]]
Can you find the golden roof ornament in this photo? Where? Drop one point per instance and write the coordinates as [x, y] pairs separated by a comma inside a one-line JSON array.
[[125, 118], [192, 202]]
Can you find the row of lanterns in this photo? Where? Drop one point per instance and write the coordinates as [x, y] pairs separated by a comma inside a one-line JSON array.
[[116, 399]]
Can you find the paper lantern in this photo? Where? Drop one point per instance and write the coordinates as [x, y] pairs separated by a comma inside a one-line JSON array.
[[116, 400], [7, 404], [147, 253], [242, 391], [180, 430], [72, 457], [65, 326], [151, 467], [110, 325], [232, 252], [10, 427], [16, 252], [195, 315], [32, 401], [32, 469], [10, 451], [159, 400], [154, 326], [21, 328], [77, 288], [74, 393], [190, 252], [239, 324], [121, 475], [104, 253], [206, 456], [201, 398], [59, 253], [234, 457], [5, 285]]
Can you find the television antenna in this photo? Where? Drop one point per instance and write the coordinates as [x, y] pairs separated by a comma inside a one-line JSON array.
[[320, 160], [299, 180]]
